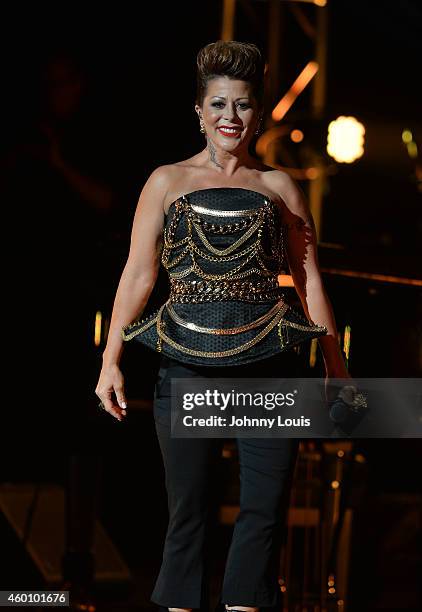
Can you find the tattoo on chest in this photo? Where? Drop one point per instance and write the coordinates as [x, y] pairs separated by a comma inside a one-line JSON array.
[[213, 154]]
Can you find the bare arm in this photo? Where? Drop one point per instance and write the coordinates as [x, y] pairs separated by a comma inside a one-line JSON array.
[[302, 256], [141, 269], [135, 286]]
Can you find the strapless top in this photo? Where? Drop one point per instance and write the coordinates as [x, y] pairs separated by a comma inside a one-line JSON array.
[[223, 249]]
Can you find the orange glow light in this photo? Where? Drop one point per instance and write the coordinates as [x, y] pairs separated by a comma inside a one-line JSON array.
[[285, 280], [295, 90], [98, 325], [401, 280], [313, 352], [312, 173], [296, 135], [346, 341]]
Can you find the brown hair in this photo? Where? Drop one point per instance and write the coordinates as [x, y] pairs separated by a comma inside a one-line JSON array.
[[236, 60]]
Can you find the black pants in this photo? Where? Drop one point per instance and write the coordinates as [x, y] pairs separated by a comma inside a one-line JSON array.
[[266, 470]]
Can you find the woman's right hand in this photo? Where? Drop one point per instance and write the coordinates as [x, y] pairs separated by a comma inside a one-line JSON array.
[[111, 382]]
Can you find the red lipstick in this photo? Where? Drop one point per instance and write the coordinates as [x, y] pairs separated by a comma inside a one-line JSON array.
[[229, 132]]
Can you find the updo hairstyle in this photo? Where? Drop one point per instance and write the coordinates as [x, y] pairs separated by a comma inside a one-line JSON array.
[[233, 59]]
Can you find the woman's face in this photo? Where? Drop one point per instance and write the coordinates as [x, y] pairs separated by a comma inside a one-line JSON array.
[[229, 112]]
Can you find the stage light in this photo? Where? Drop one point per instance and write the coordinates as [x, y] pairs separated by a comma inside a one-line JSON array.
[[312, 173], [97, 331], [296, 135], [313, 352], [295, 90], [412, 149], [345, 139], [406, 136], [346, 341], [285, 280], [316, 2]]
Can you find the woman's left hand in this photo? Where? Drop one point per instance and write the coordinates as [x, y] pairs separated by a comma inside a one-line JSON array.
[[331, 387], [345, 398]]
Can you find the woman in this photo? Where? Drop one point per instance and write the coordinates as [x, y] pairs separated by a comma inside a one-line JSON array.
[[221, 223]]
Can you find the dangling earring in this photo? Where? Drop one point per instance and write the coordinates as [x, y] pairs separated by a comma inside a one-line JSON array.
[[259, 127], [202, 125]]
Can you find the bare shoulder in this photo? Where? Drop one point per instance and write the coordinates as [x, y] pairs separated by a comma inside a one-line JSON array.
[[162, 176], [160, 183], [282, 183], [169, 174], [291, 194], [179, 177]]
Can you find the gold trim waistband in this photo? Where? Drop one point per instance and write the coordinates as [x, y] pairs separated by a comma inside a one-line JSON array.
[[163, 337], [217, 290], [229, 330]]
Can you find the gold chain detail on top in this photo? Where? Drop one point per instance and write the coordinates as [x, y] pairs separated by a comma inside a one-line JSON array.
[[233, 246], [220, 290], [137, 327], [162, 337], [221, 331], [226, 228], [213, 212], [253, 223]]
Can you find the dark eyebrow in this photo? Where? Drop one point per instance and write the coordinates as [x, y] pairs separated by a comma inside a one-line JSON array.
[[223, 97]]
